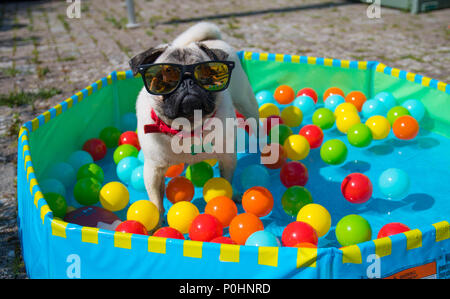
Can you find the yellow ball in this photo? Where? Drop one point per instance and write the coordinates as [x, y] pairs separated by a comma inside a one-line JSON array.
[[296, 147], [292, 116], [267, 110], [345, 108], [145, 212], [379, 126], [346, 120], [316, 216], [114, 196], [181, 215], [217, 187], [211, 162]]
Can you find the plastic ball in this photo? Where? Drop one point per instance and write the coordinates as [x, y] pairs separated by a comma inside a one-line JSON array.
[[305, 245], [96, 147], [333, 152], [258, 201], [298, 232], [379, 126], [215, 187], [305, 103], [396, 112], [180, 189], [352, 230], [308, 92], [243, 226], [199, 173], [204, 228], [114, 196], [124, 150], [279, 134], [93, 217], [262, 238], [264, 97], [168, 232], [392, 229], [294, 173], [91, 170], [292, 116], [223, 240], [346, 121], [313, 134], [145, 212], [181, 215], [373, 107], [268, 109], [137, 178], [295, 198], [356, 188], [110, 136], [211, 162], [131, 138], [316, 216], [345, 109], [57, 204], [284, 94], [223, 208], [52, 186], [357, 98], [331, 91], [359, 135], [125, 168], [64, 172], [141, 156], [254, 175], [386, 98], [323, 118], [79, 158], [405, 127], [128, 122], [273, 156], [270, 122], [333, 101], [132, 227], [296, 147], [394, 183], [87, 191], [416, 109], [175, 170]]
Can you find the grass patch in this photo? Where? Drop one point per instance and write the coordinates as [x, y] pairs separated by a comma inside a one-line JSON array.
[[42, 72], [410, 56], [68, 58], [62, 19], [118, 24], [19, 98], [14, 126], [10, 71]]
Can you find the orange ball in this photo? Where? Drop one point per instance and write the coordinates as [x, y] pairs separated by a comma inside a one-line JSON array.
[[223, 208], [405, 127], [305, 245], [180, 189], [284, 94], [243, 225], [333, 90], [273, 156], [175, 170], [257, 200], [357, 98]]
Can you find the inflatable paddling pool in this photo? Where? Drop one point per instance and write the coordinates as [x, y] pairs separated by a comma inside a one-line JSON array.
[[53, 248]]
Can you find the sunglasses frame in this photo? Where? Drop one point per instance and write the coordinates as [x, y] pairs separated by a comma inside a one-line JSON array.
[[186, 70]]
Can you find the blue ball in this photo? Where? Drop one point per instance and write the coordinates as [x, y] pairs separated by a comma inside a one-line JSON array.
[[141, 156], [264, 97], [125, 168], [254, 175], [387, 99], [137, 178], [128, 122], [373, 107], [52, 186], [306, 104], [333, 101], [262, 238], [394, 183], [415, 108], [64, 172], [79, 158]]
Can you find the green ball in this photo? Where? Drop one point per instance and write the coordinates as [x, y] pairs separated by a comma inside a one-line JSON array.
[[282, 132], [91, 170], [359, 135], [87, 191], [323, 118], [199, 173], [333, 152], [110, 136], [295, 198], [396, 112], [57, 204], [352, 230], [123, 151]]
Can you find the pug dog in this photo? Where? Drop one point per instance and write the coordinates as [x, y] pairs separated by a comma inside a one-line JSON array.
[[178, 84]]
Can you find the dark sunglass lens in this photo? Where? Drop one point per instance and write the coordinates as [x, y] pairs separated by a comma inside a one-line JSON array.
[[162, 78], [212, 76]]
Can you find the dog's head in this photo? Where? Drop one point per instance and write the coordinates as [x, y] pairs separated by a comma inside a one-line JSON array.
[[189, 96]]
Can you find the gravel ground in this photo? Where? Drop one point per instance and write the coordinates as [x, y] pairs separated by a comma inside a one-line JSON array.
[[46, 57]]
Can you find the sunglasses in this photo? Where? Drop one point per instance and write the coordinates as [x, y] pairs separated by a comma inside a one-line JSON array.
[[165, 78]]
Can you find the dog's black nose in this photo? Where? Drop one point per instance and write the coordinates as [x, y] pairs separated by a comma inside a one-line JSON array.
[[187, 83]]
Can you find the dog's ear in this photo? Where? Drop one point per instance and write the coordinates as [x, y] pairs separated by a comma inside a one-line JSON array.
[[146, 57], [214, 54]]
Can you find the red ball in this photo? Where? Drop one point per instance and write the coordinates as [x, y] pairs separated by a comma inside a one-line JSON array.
[[313, 134], [294, 173], [131, 138], [356, 188], [270, 122], [205, 227], [299, 232], [392, 229], [168, 232], [132, 227], [96, 147], [223, 240], [308, 92]]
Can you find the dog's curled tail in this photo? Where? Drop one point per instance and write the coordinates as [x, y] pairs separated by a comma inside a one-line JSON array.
[[197, 33]]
